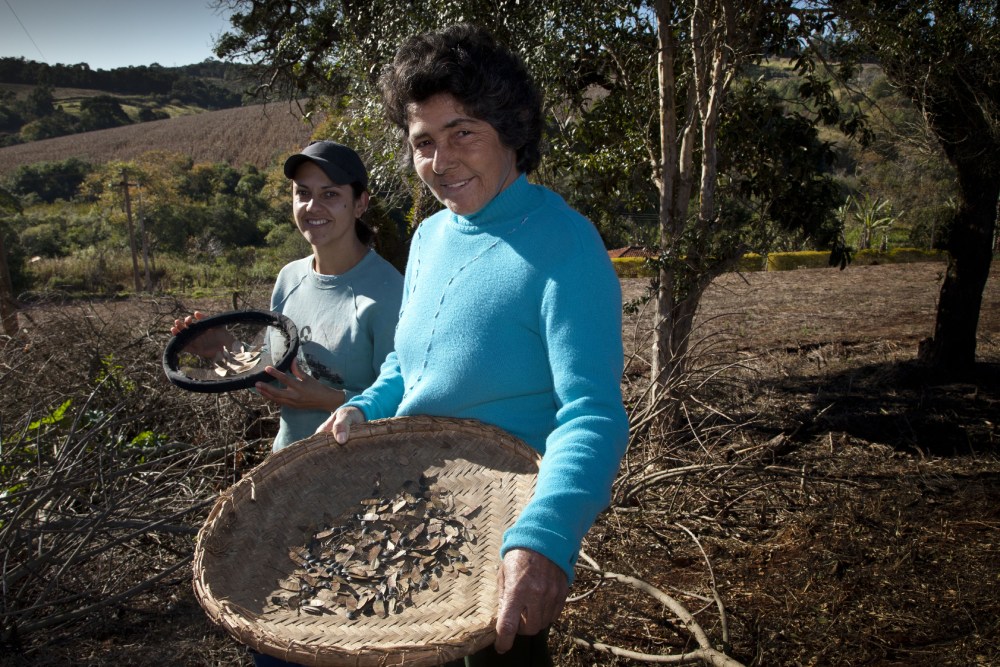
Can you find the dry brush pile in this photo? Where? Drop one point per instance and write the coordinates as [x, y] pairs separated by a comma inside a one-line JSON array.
[[767, 522], [106, 470]]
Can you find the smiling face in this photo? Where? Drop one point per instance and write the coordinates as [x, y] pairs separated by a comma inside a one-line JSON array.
[[459, 157], [324, 211]]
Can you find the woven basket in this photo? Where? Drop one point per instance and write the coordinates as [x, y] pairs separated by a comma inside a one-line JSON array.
[[242, 549]]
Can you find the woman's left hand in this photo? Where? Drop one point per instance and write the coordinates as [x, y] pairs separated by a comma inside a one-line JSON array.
[[533, 591], [300, 390]]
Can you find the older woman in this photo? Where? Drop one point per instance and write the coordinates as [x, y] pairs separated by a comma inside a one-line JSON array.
[[511, 313]]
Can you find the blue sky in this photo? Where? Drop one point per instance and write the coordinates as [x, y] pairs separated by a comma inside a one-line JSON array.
[[110, 33]]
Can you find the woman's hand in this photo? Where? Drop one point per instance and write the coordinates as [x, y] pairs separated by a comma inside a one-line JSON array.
[[532, 592], [339, 423], [181, 325], [300, 390], [211, 344]]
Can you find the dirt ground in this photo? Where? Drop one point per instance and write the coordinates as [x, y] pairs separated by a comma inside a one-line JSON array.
[[833, 506], [865, 526]]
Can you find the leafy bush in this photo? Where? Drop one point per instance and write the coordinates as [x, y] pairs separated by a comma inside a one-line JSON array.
[[45, 240], [101, 112], [57, 124], [632, 267], [751, 262], [638, 267], [91, 271], [49, 181], [786, 261], [807, 259], [15, 257], [898, 256], [147, 114]]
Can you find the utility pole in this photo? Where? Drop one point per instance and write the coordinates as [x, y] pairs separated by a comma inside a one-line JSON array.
[[8, 306], [131, 231], [145, 242]]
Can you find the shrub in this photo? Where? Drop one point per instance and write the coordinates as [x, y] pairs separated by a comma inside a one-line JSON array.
[[632, 267], [49, 180], [898, 256], [89, 271], [638, 267], [813, 259], [106, 471], [45, 239], [751, 262], [806, 259]]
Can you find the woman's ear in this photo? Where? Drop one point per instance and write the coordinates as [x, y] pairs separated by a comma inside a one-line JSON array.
[[361, 204]]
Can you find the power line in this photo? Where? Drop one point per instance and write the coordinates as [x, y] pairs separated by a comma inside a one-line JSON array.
[[7, 2]]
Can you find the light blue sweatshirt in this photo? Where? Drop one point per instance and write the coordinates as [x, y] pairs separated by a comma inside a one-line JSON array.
[[345, 323], [512, 316]]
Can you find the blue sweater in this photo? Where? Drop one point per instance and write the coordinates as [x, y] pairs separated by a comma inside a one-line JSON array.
[[345, 324], [512, 316]]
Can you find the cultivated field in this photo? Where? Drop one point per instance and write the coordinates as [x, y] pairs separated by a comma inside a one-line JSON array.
[[252, 135], [824, 503]]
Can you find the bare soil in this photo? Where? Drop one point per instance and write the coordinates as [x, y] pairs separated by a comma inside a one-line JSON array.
[[840, 506]]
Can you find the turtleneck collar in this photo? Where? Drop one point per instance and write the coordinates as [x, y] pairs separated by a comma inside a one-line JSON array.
[[513, 202]]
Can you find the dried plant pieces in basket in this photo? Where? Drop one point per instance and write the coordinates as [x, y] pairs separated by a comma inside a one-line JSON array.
[[375, 557]]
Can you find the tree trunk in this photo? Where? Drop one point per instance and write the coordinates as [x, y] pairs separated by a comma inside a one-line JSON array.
[[953, 348], [678, 292], [666, 177]]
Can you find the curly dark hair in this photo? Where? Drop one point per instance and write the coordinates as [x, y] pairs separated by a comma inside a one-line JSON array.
[[489, 81]]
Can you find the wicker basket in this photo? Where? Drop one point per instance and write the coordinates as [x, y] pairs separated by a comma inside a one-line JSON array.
[[242, 549]]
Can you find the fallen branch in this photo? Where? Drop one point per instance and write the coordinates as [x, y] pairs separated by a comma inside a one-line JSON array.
[[706, 654]]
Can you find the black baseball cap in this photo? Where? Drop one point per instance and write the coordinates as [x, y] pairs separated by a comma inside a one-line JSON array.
[[337, 161]]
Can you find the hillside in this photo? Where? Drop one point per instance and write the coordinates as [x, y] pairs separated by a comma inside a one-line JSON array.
[[246, 135], [69, 99]]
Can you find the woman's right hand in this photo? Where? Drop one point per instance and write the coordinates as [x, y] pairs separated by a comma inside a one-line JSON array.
[[339, 423], [181, 325], [210, 345]]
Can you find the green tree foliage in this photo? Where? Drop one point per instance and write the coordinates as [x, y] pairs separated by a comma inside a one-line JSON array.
[[101, 112], [191, 90], [11, 264], [776, 173], [46, 239], [147, 114], [39, 103], [57, 124], [945, 56], [205, 182], [141, 80], [187, 209], [633, 137], [11, 118], [903, 165], [49, 181], [870, 218]]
